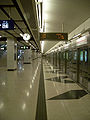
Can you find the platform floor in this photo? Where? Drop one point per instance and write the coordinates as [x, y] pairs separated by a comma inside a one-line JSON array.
[[36, 91], [65, 100], [19, 91]]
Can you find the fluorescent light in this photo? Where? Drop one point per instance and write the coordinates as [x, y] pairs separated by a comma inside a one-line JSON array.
[[27, 93], [1, 105], [30, 44], [24, 106], [40, 0], [21, 34], [39, 15], [76, 35], [81, 41], [26, 41], [42, 46]]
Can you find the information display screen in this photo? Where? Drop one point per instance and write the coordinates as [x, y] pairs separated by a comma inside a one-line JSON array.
[[86, 55], [81, 56], [54, 36], [6, 25]]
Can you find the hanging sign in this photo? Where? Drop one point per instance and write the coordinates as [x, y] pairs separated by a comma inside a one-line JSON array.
[[54, 36], [6, 25]]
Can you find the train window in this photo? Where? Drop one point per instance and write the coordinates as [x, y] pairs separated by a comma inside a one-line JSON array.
[[67, 56], [75, 55], [70, 55], [64, 55], [81, 56], [86, 55]]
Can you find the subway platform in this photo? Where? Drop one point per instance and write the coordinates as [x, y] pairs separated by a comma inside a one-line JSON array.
[[37, 91]]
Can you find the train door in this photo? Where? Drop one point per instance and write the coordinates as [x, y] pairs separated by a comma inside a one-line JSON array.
[[70, 63], [74, 65], [67, 62], [58, 59], [64, 62], [51, 58], [61, 61], [55, 59], [83, 67]]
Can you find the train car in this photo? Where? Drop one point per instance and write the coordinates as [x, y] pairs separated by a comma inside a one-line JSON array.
[[78, 61], [74, 59]]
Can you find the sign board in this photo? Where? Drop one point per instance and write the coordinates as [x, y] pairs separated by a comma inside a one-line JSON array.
[[54, 36], [6, 25]]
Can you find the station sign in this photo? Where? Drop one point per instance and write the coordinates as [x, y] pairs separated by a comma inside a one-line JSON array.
[[54, 36], [6, 25]]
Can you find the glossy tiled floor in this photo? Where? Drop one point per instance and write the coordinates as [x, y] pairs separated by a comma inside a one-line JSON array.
[[65, 100], [19, 91], [25, 94]]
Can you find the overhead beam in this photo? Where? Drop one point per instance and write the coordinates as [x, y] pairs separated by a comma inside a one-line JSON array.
[[7, 6], [10, 34], [18, 20], [4, 11], [18, 9]]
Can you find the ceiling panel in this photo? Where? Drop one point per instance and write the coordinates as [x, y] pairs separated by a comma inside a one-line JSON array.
[[16, 34], [3, 16], [29, 9], [21, 25], [13, 13]]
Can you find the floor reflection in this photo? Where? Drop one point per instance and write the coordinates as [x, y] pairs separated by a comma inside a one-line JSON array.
[[72, 94]]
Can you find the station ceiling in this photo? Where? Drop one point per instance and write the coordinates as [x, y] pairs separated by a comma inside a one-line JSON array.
[[25, 19], [56, 13], [70, 13]]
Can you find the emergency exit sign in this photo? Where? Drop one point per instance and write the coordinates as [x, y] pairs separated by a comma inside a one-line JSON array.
[[54, 36]]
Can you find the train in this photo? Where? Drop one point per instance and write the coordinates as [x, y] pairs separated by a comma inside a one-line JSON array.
[[73, 59]]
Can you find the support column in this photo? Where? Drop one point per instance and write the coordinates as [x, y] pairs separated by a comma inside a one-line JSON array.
[[11, 54]]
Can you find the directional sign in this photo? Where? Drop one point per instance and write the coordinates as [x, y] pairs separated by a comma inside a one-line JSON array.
[[6, 25], [54, 36]]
